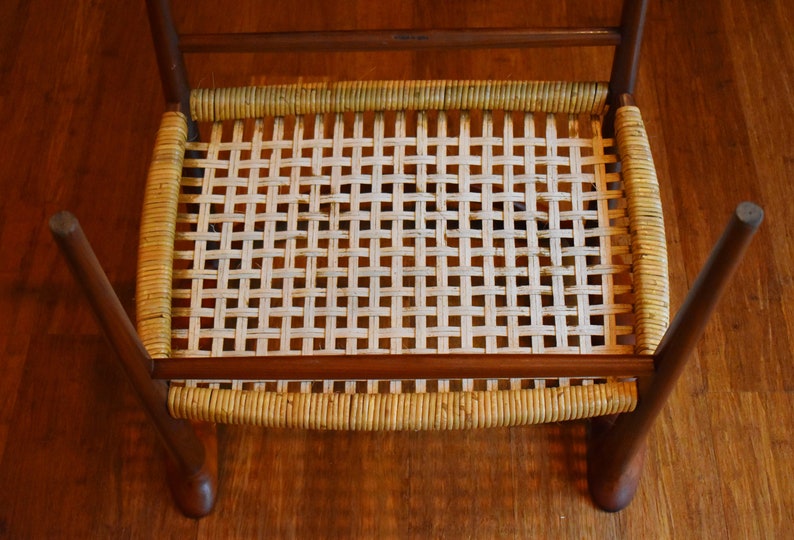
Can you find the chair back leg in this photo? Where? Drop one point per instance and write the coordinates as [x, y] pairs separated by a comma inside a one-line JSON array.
[[626, 60], [170, 60]]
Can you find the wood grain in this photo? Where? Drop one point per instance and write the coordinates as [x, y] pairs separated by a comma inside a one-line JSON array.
[[80, 103], [398, 39]]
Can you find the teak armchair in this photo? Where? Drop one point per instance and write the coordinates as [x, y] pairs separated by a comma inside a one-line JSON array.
[[403, 255]]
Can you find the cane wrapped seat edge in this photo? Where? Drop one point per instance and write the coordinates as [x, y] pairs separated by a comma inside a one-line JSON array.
[[633, 205]]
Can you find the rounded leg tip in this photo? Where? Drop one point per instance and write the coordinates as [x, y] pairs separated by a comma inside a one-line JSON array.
[[63, 224], [611, 499], [612, 482], [750, 214], [195, 494], [613, 494]]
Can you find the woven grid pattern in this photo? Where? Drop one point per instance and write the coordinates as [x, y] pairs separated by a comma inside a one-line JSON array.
[[402, 232]]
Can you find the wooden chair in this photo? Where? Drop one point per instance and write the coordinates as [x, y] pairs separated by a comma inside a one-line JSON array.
[[403, 255]]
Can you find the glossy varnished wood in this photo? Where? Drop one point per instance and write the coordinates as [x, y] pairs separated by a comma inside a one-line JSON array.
[[192, 464], [78, 108], [417, 366], [616, 455], [171, 63], [380, 40]]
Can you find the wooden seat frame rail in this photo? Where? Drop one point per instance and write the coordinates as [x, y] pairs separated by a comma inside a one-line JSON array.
[[616, 446]]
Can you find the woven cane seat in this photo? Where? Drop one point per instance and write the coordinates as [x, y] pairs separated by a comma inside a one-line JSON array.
[[401, 219]]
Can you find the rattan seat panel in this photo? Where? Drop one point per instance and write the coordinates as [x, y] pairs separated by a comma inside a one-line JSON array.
[[346, 231], [409, 232]]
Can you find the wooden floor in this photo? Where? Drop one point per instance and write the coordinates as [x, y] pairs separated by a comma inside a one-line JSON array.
[[79, 103]]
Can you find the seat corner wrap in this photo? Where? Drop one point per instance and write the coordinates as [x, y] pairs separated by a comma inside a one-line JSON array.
[[646, 228], [156, 243]]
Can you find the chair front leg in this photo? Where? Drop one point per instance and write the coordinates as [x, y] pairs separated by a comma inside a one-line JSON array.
[[615, 454], [192, 456]]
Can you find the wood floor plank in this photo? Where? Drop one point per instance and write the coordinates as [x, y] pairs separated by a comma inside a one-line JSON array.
[[752, 442], [80, 102], [13, 349], [767, 104], [103, 477]]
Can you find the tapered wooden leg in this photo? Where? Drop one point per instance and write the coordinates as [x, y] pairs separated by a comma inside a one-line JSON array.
[[195, 492], [192, 457], [616, 452], [611, 488]]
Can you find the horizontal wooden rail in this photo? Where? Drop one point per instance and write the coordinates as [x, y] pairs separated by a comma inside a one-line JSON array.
[[411, 366], [373, 40]]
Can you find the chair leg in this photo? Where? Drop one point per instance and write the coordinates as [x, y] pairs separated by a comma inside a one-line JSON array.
[[615, 456], [611, 492], [195, 492], [192, 456]]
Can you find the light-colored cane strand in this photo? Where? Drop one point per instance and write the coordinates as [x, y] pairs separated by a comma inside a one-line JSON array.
[[397, 232]]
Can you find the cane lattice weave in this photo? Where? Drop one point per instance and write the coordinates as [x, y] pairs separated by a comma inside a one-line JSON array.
[[396, 231]]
